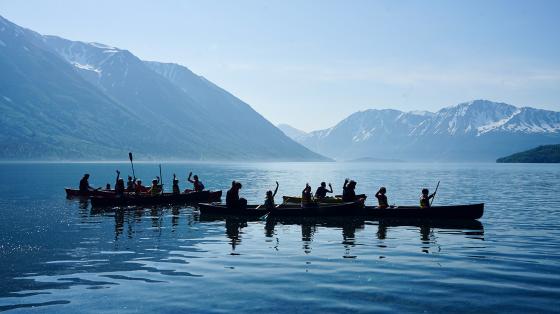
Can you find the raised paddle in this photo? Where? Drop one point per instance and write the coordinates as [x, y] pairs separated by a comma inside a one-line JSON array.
[[160, 177], [132, 164], [437, 186]]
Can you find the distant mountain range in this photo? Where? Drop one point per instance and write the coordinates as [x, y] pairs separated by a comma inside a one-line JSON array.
[[541, 154], [63, 99], [479, 130]]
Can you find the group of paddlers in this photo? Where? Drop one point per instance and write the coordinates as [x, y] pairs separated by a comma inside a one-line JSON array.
[[134, 185], [233, 200], [309, 200]]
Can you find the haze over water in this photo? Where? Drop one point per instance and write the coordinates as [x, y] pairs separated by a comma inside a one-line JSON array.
[[57, 255]]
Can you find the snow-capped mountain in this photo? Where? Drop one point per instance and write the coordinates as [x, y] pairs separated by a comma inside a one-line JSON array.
[[476, 130], [76, 100]]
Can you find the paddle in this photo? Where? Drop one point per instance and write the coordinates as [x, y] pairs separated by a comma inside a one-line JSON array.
[[160, 178], [132, 164], [437, 186]]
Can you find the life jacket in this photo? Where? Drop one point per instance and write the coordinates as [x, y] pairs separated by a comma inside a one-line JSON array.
[[306, 198], [155, 190], [269, 203], [382, 199], [198, 186], [424, 202]]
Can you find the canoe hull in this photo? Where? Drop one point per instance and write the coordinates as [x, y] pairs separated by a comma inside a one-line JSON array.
[[472, 211], [165, 199], [457, 212], [74, 193], [283, 210]]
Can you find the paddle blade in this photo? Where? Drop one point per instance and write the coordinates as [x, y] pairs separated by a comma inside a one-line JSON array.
[[130, 156]]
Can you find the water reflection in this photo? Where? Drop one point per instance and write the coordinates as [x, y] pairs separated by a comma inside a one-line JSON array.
[[348, 227]]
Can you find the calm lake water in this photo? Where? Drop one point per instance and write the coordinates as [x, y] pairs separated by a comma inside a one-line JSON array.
[[58, 256]]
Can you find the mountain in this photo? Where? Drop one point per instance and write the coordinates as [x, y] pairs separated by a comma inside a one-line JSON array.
[[541, 154], [291, 132], [66, 99], [479, 130]]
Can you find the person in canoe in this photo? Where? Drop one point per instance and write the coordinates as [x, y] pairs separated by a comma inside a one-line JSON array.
[[307, 197], [269, 200], [425, 198], [176, 189], [139, 188], [349, 191], [382, 198], [130, 184], [232, 197], [322, 191], [119, 185], [108, 186], [197, 184], [85, 188], [155, 189]]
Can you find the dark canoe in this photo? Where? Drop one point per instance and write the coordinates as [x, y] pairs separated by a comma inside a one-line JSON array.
[[356, 209], [72, 193], [318, 210], [282, 210], [220, 209], [164, 199], [472, 211]]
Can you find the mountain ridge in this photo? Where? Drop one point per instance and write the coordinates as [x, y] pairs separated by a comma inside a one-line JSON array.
[[478, 130], [94, 101]]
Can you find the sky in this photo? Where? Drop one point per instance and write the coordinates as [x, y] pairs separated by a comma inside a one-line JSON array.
[[310, 64]]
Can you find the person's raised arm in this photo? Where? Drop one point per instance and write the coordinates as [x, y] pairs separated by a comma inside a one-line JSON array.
[[118, 175], [330, 186], [189, 178], [275, 190], [345, 183]]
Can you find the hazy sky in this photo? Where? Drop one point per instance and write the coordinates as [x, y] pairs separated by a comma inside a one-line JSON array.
[[312, 63]]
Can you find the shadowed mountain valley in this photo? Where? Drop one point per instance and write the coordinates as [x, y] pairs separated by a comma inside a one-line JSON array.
[[63, 99]]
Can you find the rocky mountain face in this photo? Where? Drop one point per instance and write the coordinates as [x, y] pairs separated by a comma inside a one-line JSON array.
[[479, 130], [65, 99]]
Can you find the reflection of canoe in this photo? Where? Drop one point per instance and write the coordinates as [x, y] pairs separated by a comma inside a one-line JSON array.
[[464, 212], [457, 224], [71, 193], [342, 209], [327, 200], [164, 199]]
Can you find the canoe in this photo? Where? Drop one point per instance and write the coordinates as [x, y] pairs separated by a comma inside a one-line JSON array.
[[351, 209], [472, 211], [220, 209], [72, 193], [327, 200], [164, 199], [282, 210]]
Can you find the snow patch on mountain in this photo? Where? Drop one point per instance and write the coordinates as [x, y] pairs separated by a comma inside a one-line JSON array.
[[87, 67], [497, 124]]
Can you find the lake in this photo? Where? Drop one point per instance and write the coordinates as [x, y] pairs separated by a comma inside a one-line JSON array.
[[56, 255]]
